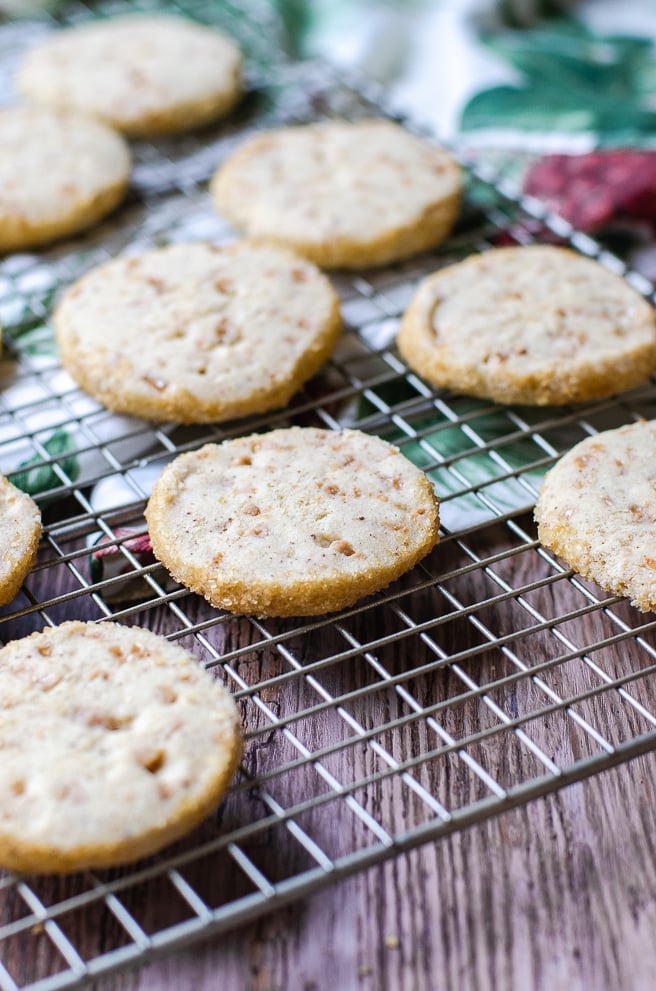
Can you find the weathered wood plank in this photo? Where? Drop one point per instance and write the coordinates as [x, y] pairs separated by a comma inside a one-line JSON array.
[[559, 893]]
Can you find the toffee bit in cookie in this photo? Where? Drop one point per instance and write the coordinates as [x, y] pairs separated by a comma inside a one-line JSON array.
[[167, 694], [103, 719], [342, 547], [49, 681], [156, 383], [152, 760]]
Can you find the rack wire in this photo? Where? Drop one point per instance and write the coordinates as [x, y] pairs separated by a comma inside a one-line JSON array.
[[489, 676]]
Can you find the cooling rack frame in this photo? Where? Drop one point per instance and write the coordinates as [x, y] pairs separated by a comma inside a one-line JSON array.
[[354, 748]]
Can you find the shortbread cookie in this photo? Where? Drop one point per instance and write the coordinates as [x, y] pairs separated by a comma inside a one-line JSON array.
[[195, 333], [113, 742], [143, 74], [597, 510], [343, 194], [537, 325], [20, 529], [59, 174], [295, 522]]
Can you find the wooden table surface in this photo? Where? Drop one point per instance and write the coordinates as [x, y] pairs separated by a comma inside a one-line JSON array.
[[558, 894]]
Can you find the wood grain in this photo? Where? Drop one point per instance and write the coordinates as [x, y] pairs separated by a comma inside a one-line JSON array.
[[559, 893]]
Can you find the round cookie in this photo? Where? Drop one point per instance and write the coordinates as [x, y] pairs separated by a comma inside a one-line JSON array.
[[20, 530], [196, 333], [597, 510], [143, 74], [114, 742], [538, 325], [296, 522], [59, 173], [345, 195]]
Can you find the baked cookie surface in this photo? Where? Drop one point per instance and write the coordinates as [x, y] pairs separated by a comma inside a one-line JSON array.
[[59, 174], [342, 194], [143, 74], [296, 522], [20, 530], [597, 510], [194, 333], [538, 325], [113, 741]]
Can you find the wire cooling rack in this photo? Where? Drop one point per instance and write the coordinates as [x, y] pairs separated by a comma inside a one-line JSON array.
[[487, 677]]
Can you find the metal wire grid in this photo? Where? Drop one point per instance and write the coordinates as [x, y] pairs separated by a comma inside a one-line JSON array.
[[487, 677]]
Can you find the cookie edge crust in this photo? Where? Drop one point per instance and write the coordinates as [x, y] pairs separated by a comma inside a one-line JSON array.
[[559, 537], [430, 230], [36, 858], [19, 233], [593, 381], [10, 588], [183, 406], [427, 230], [269, 600], [184, 117]]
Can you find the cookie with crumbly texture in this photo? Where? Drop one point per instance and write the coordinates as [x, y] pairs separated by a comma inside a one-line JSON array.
[[113, 743], [59, 174], [596, 510], [143, 74], [538, 325], [20, 530], [296, 522], [195, 333], [344, 194]]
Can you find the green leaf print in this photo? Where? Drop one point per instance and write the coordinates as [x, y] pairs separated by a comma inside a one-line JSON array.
[[572, 80], [484, 465], [39, 340], [37, 476]]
